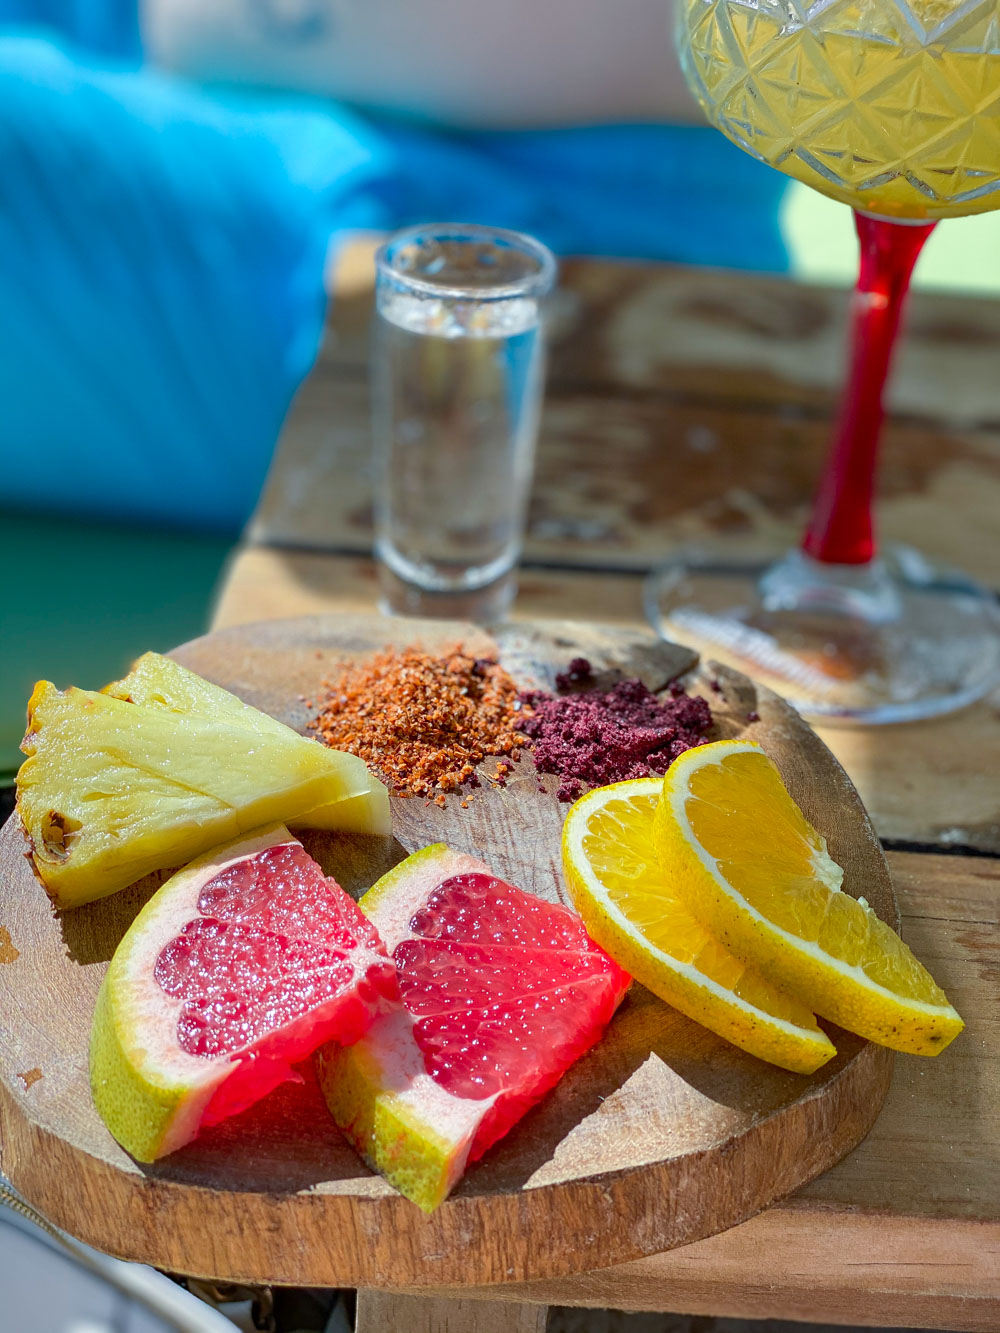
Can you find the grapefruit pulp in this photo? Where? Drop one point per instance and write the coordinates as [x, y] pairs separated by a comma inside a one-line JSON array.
[[237, 968], [501, 993]]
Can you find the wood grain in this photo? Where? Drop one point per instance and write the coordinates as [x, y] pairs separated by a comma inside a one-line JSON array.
[[264, 584], [818, 1267], [927, 782], [621, 480], [661, 1135], [755, 341], [904, 1231], [389, 1312], [682, 403]]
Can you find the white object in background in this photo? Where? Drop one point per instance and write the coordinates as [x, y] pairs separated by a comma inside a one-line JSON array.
[[50, 1282], [158, 1293], [458, 62]]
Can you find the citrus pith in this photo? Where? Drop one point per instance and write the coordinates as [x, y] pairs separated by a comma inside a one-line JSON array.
[[501, 993]]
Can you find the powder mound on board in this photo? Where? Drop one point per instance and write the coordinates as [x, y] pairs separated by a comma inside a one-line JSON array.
[[593, 737], [424, 721]]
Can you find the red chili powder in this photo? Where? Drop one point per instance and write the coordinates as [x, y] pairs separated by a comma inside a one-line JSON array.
[[424, 721], [593, 737]]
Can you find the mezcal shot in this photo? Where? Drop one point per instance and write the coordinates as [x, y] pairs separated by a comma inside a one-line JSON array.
[[458, 367]]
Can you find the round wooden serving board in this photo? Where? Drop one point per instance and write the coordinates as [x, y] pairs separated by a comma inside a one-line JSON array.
[[661, 1135]]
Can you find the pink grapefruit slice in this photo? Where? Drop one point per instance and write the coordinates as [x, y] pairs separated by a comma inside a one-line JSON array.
[[237, 968], [501, 993]]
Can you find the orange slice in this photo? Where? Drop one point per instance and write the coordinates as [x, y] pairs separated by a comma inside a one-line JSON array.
[[747, 863], [630, 908]]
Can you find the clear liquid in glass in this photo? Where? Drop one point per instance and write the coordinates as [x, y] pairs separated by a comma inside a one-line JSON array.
[[456, 401]]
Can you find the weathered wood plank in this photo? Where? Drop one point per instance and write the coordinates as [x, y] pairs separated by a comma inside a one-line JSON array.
[[389, 1312], [935, 1151], [621, 480], [929, 782], [265, 584], [682, 404], [738, 338], [830, 1268], [906, 1230]]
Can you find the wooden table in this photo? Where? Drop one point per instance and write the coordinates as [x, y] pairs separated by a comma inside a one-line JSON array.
[[682, 402]]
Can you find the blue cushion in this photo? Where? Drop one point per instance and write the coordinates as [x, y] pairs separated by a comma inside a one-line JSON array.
[[161, 261], [681, 193]]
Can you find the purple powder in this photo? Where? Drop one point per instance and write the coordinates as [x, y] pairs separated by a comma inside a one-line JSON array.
[[601, 736], [579, 672]]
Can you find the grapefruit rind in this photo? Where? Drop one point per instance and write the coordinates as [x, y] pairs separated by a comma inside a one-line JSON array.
[[405, 1126], [151, 1093], [151, 1096], [921, 1022], [410, 1130], [778, 1029], [146, 1112], [392, 900], [402, 1120]]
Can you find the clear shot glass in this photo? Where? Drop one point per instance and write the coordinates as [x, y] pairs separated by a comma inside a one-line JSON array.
[[458, 366]]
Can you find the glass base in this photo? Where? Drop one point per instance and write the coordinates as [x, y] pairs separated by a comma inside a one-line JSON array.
[[483, 606], [892, 641]]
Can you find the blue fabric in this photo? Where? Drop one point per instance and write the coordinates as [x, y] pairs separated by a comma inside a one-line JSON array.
[[110, 27], [679, 193], [162, 250], [161, 260]]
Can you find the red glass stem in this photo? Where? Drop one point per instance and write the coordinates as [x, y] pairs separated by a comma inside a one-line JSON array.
[[840, 530]]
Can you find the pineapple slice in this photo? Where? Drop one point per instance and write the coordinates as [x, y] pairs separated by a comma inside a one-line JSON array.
[[160, 682], [114, 789]]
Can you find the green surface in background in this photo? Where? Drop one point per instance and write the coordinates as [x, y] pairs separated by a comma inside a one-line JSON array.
[[962, 255], [82, 600]]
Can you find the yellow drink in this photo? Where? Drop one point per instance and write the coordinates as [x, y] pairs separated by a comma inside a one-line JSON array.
[[893, 108]]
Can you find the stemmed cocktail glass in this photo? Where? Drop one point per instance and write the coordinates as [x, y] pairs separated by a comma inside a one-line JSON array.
[[892, 107]]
